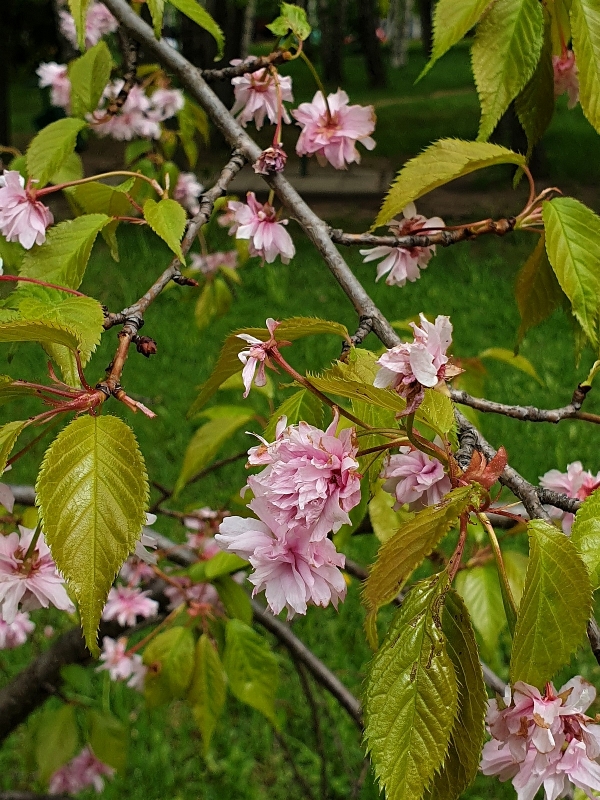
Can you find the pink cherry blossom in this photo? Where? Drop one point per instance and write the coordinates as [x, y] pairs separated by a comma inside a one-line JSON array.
[[81, 772], [202, 525], [408, 368], [15, 633], [566, 78], [57, 78], [203, 594], [258, 223], [575, 482], [310, 481], [404, 263], [415, 478], [135, 571], [166, 103], [22, 217], [32, 583], [293, 571], [210, 263], [271, 160], [126, 603], [7, 498], [119, 665], [136, 118], [256, 356], [187, 191], [256, 96], [333, 138], [98, 23]]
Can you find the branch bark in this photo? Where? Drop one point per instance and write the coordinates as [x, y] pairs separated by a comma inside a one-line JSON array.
[[524, 413], [445, 238]]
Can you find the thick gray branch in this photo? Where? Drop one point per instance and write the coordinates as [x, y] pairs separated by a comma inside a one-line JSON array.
[[524, 413]]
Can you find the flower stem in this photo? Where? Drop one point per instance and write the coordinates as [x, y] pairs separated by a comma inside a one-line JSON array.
[[318, 81], [421, 444], [456, 556], [510, 607], [378, 448], [19, 278], [277, 135], [155, 185]]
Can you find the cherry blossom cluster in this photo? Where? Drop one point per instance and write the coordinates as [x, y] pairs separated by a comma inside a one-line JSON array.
[[202, 525], [81, 772], [575, 482], [187, 191], [544, 740], [99, 22], [258, 223], [121, 666], [307, 487], [23, 218], [126, 603], [415, 478], [566, 80], [210, 263], [14, 634]]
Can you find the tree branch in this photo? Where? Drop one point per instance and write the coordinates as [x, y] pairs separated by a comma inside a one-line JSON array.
[[226, 73], [524, 413]]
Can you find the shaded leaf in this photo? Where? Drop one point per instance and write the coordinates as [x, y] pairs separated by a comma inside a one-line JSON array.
[[292, 19], [57, 739], [199, 15], [384, 520], [157, 10], [515, 564], [537, 290], [480, 589], [208, 689], [108, 738], [235, 599], [50, 148], [451, 21], [302, 405], [535, 103], [508, 357], [585, 535], [99, 198], [9, 433], [71, 169], [170, 659], [79, 9], [21, 330]]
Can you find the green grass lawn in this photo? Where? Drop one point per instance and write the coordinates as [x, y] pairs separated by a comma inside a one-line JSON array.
[[472, 282]]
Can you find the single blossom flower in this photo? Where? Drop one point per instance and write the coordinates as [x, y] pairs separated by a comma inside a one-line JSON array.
[[22, 217], [409, 368], [99, 21], [404, 263], [165, 103], [126, 604], [79, 773], [415, 478], [566, 80], [15, 633], [258, 223], [119, 665], [56, 77], [194, 594], [575, 482], [271, 160], [31, 583], [257, 355], [210, 263], [332, 134], [135, 572], [257, 95], [187, 191]]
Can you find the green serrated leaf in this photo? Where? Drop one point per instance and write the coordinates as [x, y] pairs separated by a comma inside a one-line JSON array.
[[79, 9], [157, 10], [208, 689], [57, 739], [384, 520], [292, 19], [451, 21], [235, 599], [302, 405], [194, 11], [167, 219], [108, 738], [508, 357], [573, 247], [537, 290], [480, 589], [251, 668], [9, 434], [557, 588], [505, 54], [92, 493], [437, 410], [440, 163], [462, 760], [170, 660], [585, 535], [585, 27], [404, 551], [51, 147], [98, 198], [362, 392], [63, 257], [208, 440], [411, 695], [22, 330], [89, 76], [71, 169], [515, 564], [535, 103]]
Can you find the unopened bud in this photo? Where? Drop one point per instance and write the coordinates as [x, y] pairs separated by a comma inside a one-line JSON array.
[[271, 160], [145, 345]]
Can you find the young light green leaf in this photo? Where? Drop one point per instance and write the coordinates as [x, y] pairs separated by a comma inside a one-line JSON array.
[[108, 738], [22, 330], [208, 689], [537, 290], [384, 520], [451, 21], [235, 599], [535, 103], [505, 54], [208, 440], [557, 588], [157, 10], [57, 739], [51, 147], [194, 11], [170, 659], [63, 257], [99, 198], [71, 169], [573, 247], [515, 564], [9, 434], [404, 551], [508, 357], [79, 9], [440, 163], [361, 392], [302, 405], [411, 695], [292, 19], [222, 564], [167, 219], [585, 26], [92, 492], [480, 589], [251, 668], [89, 76], [437, 410], [462, 760], [585, 535]]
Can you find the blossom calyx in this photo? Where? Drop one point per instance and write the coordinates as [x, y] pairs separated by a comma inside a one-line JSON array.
[[486, 473]]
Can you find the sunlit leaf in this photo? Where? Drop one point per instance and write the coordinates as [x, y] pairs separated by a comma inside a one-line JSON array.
[[49, 149]]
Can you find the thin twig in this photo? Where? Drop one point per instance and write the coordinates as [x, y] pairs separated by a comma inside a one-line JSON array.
[[308, 792], [523, 413], [314, 710], [226, 73]]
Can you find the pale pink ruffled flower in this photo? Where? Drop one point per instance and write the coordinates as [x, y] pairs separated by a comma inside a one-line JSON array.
[[126, 603], [210, 263], [119, 665], [566, 77], [81, 772], [408, 368], [256, 96], [187, 191], [165, 103], [310, 481], [258, 223], [32, 584], [15, 633], [293, 571], [404, 263], [22, 217], [56, 77], [544, 740], [575, 482], [135, 571], [203, 594], [134, 119], [415, 478], [7, 498], [98, 23], [271, 160], [257, 355], [334, 139]]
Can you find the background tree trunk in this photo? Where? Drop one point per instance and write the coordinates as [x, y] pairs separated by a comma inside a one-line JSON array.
[[248, 27], [5, 38], [368, 22], [399, 24], [332, 40]]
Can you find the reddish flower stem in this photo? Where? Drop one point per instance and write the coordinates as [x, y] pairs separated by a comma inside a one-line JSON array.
[[17, 278]]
